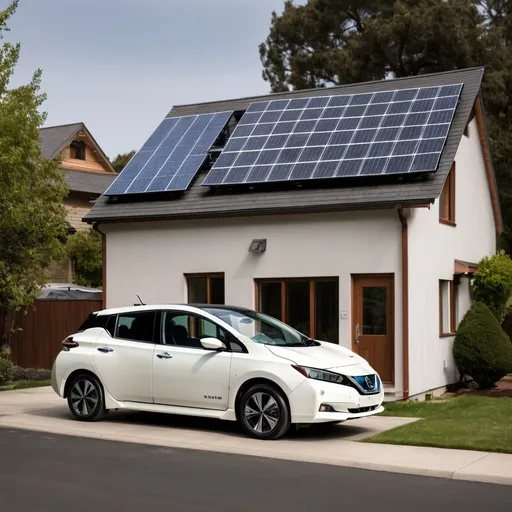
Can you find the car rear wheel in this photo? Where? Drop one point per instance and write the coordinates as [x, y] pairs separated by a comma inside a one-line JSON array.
[[85, 398], [263, 412]]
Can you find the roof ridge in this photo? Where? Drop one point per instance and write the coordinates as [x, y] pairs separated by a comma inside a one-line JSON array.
[[61, 125], [355, 84]]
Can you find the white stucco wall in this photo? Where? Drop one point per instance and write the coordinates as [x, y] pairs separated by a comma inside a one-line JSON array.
[[150, 259], [433, 247]]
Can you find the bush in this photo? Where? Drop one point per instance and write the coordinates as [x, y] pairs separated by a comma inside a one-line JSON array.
[[481, 348], [492, 283], [5, 370], [19, 373]]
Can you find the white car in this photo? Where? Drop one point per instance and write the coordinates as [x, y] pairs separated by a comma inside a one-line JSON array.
[[223, 362]]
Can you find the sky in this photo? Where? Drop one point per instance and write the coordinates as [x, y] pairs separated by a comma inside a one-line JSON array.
[[120, 65]]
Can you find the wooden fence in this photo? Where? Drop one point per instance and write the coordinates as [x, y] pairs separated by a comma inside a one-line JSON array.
[[45, 327]]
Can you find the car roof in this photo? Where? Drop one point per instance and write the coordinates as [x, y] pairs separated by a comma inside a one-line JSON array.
[[183, 307]]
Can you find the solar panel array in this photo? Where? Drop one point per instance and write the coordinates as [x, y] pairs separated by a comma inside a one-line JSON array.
[[382, 133], [172, 156]]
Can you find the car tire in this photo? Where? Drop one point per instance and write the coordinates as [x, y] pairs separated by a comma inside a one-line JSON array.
[[263, 412], [86, 398]]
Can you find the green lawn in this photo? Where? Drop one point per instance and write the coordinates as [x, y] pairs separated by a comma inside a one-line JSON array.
[[466, 422], [24, 384]]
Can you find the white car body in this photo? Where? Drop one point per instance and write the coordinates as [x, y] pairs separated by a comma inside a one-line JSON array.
[[154, 377]]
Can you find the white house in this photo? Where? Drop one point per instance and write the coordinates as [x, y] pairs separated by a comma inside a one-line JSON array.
[[379, 264]]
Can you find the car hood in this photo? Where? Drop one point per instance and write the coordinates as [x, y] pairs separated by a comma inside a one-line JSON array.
[[324, 356]]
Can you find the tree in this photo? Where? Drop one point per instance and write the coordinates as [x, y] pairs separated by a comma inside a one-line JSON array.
[[85, 250], [492, 284], [481, 348], [32, 189], [335, 42], [120, 161]]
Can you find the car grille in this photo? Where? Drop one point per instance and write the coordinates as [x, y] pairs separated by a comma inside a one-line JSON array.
[[363, 409]]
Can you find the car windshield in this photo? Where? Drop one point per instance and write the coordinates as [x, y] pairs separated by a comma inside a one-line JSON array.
[[260, 328]]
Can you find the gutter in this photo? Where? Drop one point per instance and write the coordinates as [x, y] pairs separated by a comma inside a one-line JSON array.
[[96, 227], [405, 303]]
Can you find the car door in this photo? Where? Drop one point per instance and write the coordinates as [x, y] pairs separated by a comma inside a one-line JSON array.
[[124, 361], [184, 373]]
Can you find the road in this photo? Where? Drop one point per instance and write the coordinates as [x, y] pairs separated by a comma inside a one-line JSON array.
[[48, 473]]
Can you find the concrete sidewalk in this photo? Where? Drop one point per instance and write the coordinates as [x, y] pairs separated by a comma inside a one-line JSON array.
[[40, 409]]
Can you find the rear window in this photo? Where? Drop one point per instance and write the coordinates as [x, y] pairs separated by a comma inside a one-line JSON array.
[[107, 322]]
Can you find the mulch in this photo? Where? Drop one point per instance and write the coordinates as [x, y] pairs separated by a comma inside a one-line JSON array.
[[502, 389]]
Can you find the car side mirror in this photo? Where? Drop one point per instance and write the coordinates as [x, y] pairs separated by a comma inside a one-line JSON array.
[[212, 344]]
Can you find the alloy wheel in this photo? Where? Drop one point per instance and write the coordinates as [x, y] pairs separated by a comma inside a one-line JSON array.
[[262, 412], [84, 397]]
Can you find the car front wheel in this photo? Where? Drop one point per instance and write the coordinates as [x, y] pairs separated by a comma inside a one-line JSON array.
[[85, 398], [263, 412]]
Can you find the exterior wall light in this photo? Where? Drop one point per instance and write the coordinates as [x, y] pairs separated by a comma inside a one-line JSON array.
[[258, 245]]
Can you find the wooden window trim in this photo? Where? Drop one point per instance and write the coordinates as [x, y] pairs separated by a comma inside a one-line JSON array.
[[209, 276], [447, 200], [453, 309], [312, 297]]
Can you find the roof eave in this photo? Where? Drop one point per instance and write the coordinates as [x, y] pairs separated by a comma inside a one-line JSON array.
[[422, 203]]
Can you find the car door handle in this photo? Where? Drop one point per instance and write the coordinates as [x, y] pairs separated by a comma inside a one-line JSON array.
[[105, 349], [165, 355]]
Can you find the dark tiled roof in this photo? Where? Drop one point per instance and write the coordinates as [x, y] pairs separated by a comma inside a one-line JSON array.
[[54, 137], [89, 182], [200, 202]]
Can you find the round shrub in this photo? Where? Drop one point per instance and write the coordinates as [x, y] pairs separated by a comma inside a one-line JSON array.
[[481, 348], [492, 283], [5, 370]]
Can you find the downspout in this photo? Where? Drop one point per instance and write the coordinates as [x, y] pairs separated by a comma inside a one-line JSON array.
[[96, 227], [405, 303]]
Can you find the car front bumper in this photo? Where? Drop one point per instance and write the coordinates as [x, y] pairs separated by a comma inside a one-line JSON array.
[[346, 403]]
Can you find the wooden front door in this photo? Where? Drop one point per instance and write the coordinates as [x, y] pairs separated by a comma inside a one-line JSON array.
[[373, 322]]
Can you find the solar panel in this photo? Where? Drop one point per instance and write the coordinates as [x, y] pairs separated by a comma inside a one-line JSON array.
[[172, 156], [383, 133]]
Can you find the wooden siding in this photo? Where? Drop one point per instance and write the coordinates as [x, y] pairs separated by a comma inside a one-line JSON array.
[[60, 272], [92, 163], [44, 329], [77, 208]]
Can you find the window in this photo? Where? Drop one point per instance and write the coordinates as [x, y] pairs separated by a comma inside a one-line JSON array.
[[447, 308], [260, 328], [107, 322], [187, 330], [447, 200], [309, 305], [205, 288], [136, 326], [78, 149]]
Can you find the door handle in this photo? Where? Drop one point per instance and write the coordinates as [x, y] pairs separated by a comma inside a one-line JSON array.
[[165, 355], [106, 349], [357, 334]]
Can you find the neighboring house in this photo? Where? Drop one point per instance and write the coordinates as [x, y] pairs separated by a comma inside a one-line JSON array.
[[88, 173], [379, 264]]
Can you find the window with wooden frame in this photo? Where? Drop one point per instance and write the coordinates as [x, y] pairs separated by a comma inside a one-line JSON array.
[[205, 288], [447, 200], [78, 149], [447, 308], [309, 305]]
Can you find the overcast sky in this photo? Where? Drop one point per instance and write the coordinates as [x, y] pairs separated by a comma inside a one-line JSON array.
[[120, 65]]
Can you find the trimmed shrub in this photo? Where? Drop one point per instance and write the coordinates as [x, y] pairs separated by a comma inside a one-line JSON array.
[[5, 370], [492, 283], [481, 348], [19, 373]]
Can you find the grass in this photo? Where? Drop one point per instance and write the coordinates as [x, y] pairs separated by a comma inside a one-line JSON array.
[[24, 384], [467, 422]]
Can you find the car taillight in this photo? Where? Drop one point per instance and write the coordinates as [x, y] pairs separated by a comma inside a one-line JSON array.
[[68, 344]]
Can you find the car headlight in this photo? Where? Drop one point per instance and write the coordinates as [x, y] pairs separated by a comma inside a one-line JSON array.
[[323, 375]]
